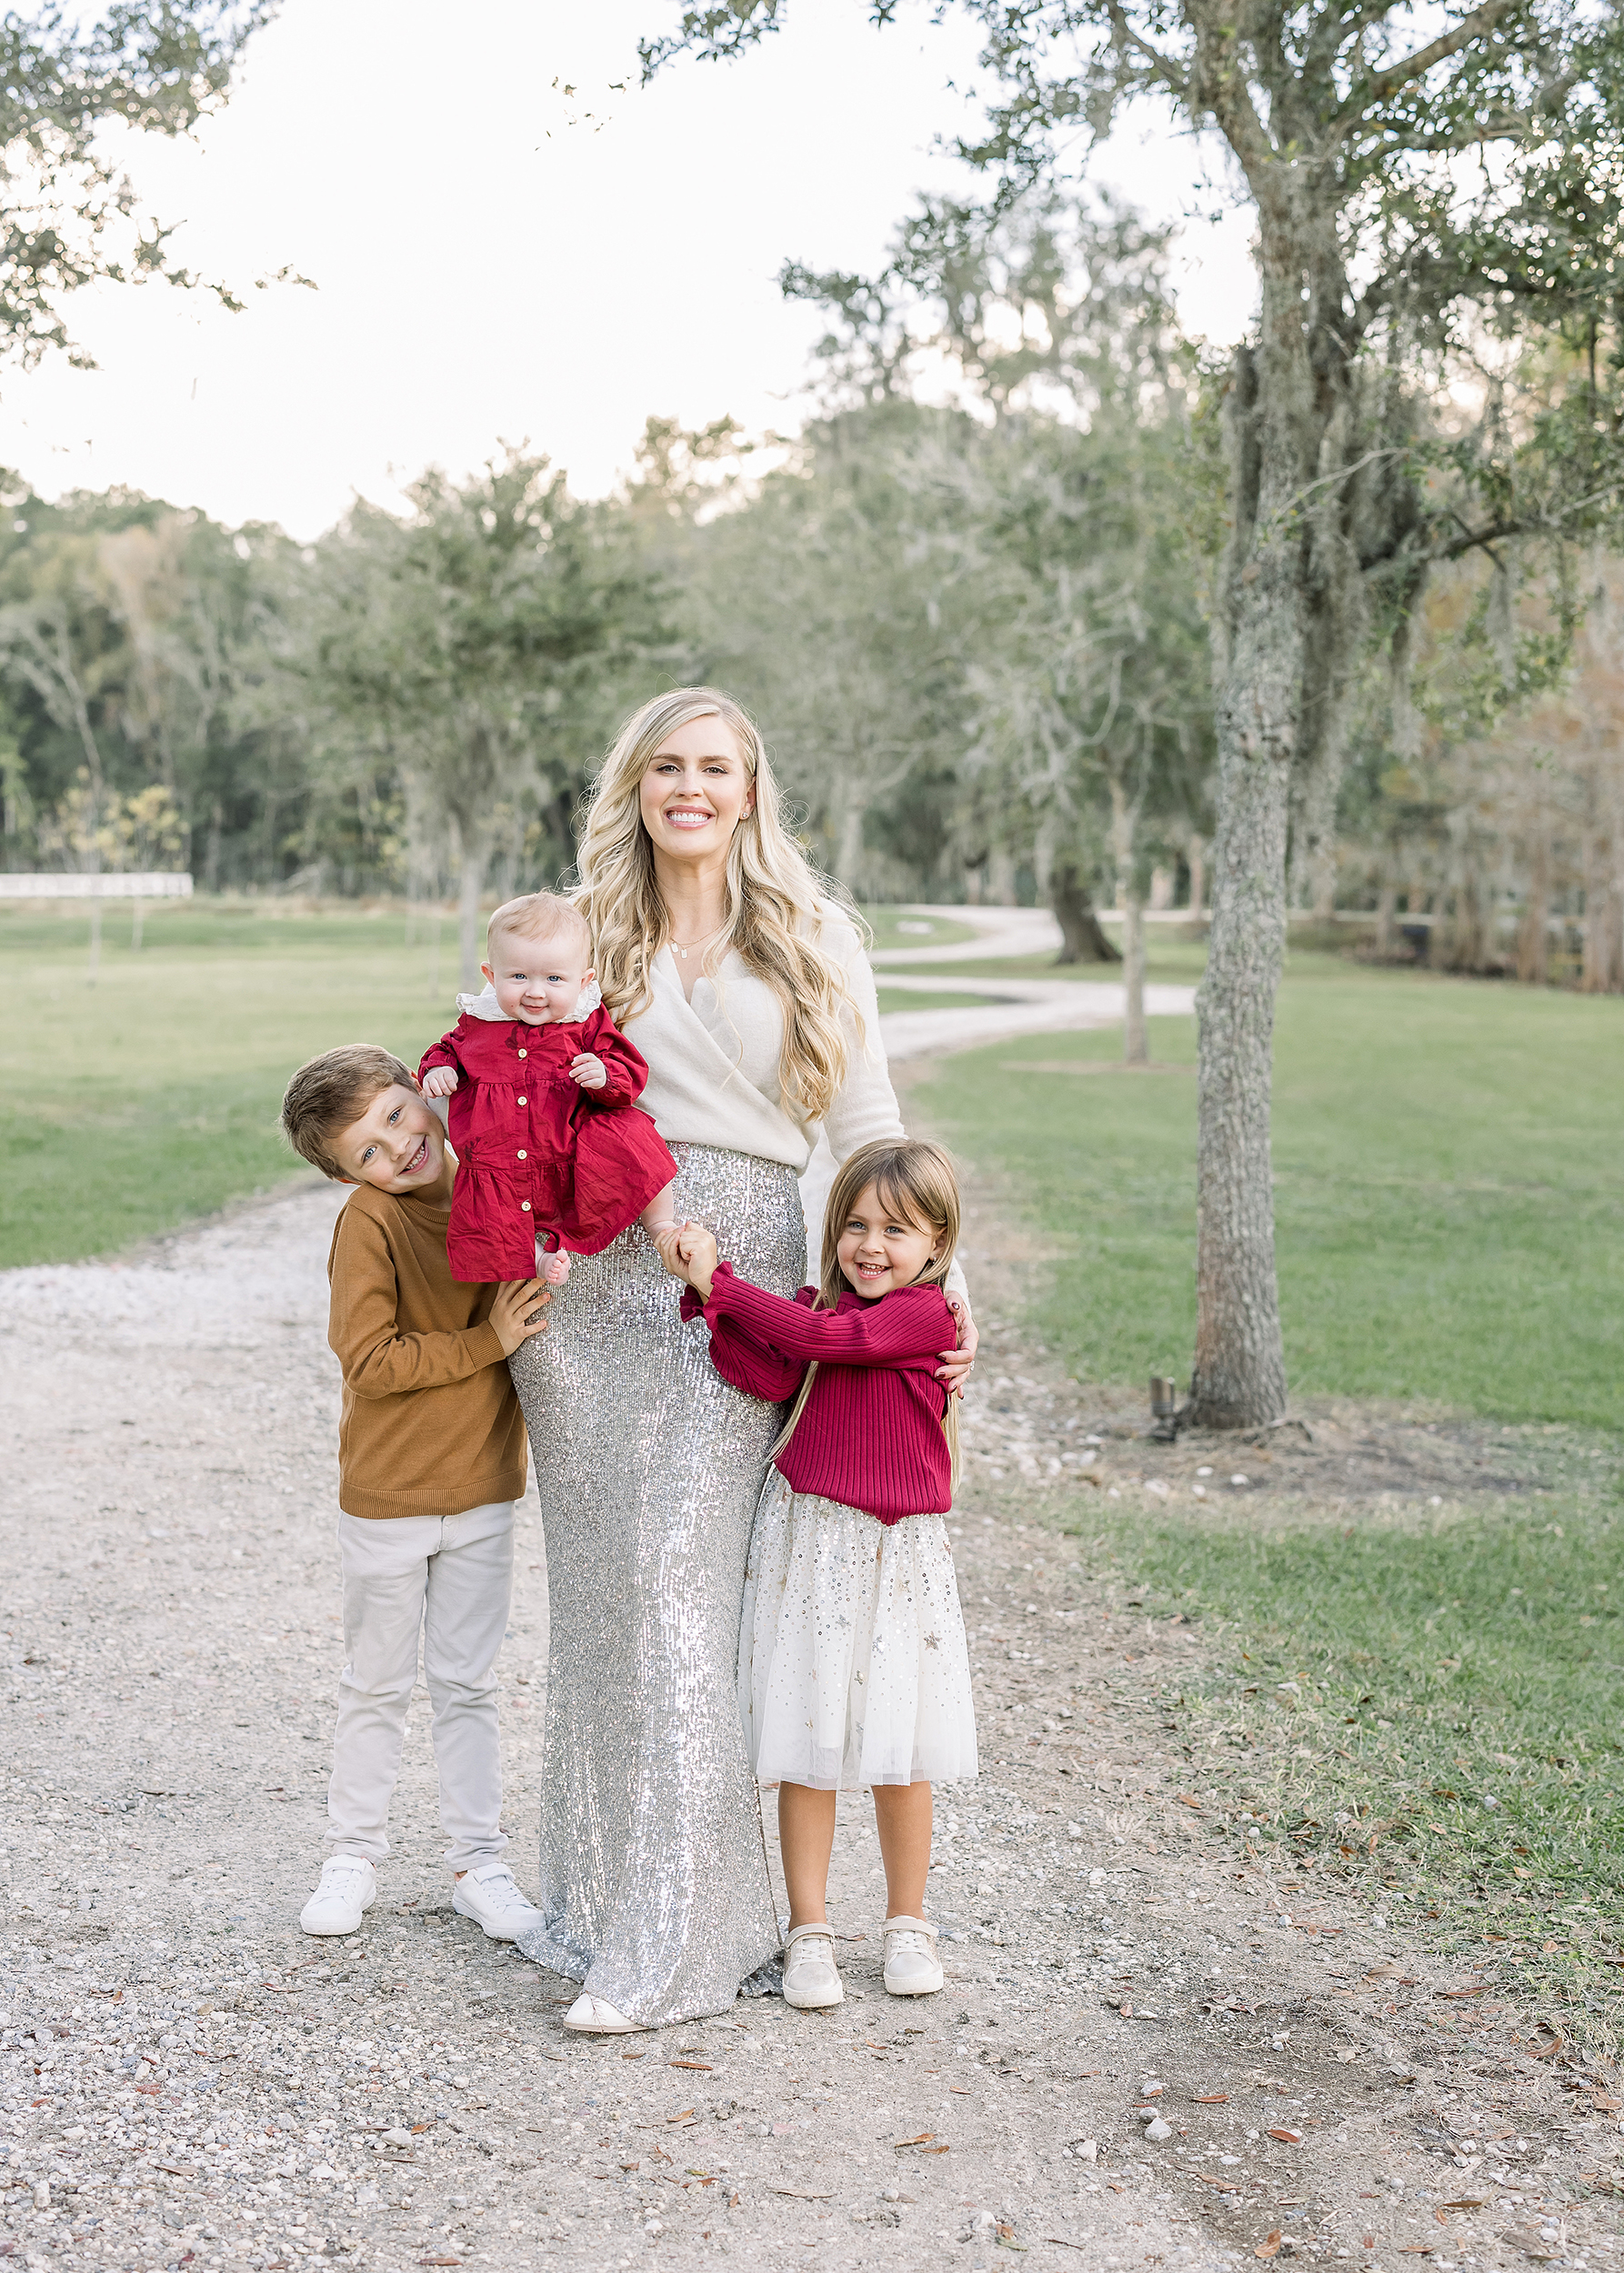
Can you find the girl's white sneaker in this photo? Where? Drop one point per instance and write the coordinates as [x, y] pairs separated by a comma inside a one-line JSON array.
[[912, 1966], [596, 2017], [811, 1979]]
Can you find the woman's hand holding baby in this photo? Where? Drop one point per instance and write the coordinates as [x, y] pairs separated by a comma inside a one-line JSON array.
[[589, 1071], [517, 1312], [439, 1081]]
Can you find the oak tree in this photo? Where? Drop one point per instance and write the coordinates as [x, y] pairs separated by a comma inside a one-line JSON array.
[[1430, 185]]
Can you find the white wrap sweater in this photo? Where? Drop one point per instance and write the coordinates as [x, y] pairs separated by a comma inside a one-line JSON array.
[[713, 1073]]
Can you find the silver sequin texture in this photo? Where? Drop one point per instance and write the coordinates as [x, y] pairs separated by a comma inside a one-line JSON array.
[[654, 1884]]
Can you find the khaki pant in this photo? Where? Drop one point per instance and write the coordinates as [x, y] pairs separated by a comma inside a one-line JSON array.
[[448, 1578]]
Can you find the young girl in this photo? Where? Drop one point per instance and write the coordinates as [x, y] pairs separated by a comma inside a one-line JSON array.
[[852, 1664], [551, 1155]]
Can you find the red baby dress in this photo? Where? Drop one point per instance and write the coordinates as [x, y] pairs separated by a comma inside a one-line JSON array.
[[538, 1156]]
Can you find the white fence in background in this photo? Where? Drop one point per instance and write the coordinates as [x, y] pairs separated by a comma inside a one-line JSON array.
[[159, 883]]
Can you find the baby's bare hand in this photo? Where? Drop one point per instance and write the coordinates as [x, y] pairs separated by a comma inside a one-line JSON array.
[[589, 1071], [439, 1081], [697, 1245], [666, 1240], [517, 1312]]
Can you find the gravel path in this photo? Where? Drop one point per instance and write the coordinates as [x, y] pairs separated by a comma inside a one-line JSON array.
[[188, 2082], [1000, 932], [1015, 1006]]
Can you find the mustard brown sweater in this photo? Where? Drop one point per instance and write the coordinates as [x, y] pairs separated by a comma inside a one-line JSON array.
[[430, 1424]]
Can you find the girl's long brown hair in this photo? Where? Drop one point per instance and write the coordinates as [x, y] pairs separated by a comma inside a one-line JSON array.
[[915, 1183]]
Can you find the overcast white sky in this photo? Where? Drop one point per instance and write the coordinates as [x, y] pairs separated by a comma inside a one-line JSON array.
[[488, 270]]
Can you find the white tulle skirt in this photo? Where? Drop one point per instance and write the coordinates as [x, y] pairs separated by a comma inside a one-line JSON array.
[[852, 1664]]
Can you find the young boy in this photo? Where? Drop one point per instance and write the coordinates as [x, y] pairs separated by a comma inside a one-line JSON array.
[[431, 1457]]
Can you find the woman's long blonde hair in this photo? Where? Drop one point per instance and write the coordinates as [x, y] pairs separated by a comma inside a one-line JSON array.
[[915, 1183], [776, 901]]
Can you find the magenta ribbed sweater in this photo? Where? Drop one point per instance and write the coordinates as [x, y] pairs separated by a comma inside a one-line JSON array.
[[870, 1435]]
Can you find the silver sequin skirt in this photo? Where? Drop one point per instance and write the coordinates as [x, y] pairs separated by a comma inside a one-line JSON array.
[[654, 1883]]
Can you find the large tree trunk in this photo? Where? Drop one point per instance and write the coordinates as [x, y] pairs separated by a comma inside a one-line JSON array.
[[1533, 935], [1386, 903], [1603, 970], [848, 850], [1134, 1049], [1470, 943], [1323, 882], [1197, 856], [1240, 1379], [469, 942], [1082, 939]]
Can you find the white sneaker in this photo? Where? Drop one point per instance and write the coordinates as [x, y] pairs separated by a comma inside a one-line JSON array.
[[596, 2017], [488, 1894], [811, 1979], [912, 1966], [347, 1891]]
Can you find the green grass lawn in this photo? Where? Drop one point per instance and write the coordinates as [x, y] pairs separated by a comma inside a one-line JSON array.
[[1450, 1190], [1419, 1704], [946, 998], [1449, 1194], [151, 1097]]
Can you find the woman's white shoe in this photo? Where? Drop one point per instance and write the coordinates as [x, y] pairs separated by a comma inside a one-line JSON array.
[[596, 2017], [912, 1966], [811, 1979]]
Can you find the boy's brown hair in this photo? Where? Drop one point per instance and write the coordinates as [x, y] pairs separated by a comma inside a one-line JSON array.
[[333, 1090]]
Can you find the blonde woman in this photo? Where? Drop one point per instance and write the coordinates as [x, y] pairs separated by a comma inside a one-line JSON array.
[[750, 995]]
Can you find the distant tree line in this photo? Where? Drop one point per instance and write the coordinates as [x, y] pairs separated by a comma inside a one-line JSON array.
[[971, 604]]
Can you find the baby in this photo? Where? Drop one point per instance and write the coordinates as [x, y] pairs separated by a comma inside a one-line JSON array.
[[552, 1156]]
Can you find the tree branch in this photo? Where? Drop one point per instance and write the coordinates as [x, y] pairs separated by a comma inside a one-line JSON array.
[[1496, 126], [1234, 111], [1338, 25], [1162, 66], [1415, 66], [716, 34]]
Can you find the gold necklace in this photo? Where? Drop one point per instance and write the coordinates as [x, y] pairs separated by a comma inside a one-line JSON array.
[[704, 942]]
